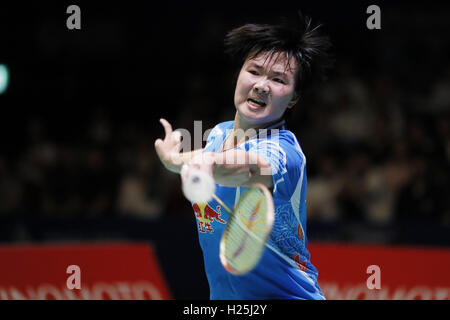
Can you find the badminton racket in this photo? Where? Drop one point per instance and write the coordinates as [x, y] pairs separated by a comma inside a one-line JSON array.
[[250, 223]]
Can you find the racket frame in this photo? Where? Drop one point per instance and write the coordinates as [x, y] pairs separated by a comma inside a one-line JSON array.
[[270, 216]]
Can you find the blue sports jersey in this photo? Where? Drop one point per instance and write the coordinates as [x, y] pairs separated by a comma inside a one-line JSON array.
[[285, 270]]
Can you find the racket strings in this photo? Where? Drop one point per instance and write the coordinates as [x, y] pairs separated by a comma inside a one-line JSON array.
[[251, 212], [247, 231]]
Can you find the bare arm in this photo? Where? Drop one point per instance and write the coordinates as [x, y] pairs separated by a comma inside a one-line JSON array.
[[234, 168], [230, 168]]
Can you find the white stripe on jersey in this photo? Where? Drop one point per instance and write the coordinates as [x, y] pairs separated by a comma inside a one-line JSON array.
[[296, 195]]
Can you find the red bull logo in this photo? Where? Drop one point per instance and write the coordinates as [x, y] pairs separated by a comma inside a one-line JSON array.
[[205, 216], [301, 264]]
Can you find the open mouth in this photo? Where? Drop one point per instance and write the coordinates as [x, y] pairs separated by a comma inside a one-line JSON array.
[[256, 102]]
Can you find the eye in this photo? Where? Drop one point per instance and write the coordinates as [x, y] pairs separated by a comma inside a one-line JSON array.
[[254, 72], [279, 80]]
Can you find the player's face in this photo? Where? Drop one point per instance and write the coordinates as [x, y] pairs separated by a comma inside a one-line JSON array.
[[265, 89]]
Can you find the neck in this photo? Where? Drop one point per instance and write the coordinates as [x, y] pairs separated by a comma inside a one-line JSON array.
[[240, 125]]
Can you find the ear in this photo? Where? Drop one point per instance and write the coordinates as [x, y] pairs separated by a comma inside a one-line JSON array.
[[294, 100]]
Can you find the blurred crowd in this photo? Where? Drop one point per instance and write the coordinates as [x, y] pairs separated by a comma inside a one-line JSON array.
[[370, 156], [376, 139], [377, 156]]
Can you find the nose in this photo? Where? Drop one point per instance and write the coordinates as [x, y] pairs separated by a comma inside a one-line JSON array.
[[261, 88]]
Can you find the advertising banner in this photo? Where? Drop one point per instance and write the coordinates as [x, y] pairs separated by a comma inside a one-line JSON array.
[[81, 272], [360, 272]]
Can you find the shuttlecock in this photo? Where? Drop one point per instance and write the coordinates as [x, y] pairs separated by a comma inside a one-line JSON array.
[[198, 186]]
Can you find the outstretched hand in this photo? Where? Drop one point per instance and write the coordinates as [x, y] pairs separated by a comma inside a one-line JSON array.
[[168, 149]]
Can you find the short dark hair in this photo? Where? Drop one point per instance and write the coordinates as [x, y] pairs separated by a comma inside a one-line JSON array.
[[298, 39]]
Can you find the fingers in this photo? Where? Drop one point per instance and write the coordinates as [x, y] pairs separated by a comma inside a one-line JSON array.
[[203, 162], [158, 143], [167, 127], [177, 136], [184, 172], [170, 134]]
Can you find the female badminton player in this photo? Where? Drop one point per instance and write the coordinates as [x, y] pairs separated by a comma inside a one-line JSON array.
[[276, 64]]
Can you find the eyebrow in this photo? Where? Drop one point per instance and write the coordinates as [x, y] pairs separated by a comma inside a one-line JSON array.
[[260, 67]]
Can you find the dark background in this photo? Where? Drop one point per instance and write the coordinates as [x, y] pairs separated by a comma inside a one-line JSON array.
[[80, 117]]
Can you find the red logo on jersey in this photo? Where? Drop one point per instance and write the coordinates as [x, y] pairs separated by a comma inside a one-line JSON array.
[[301, 264], [205, 216]]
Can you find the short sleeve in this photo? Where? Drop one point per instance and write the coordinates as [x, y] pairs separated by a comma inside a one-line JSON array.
[[285, 160], [217, 135]]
